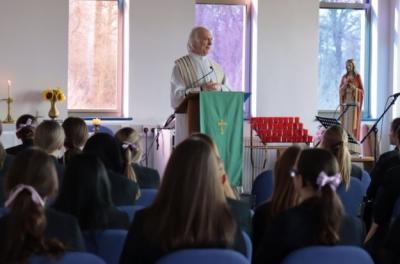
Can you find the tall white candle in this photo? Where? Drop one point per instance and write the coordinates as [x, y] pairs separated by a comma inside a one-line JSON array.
[[9, 86]]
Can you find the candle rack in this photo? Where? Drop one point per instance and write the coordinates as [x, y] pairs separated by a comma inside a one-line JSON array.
[[9, 119]]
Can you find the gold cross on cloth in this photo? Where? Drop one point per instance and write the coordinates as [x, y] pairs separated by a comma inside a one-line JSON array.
[[221, 124]]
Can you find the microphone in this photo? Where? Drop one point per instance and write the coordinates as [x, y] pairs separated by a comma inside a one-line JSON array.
[[204, 76], [395, 95], [350, 104]]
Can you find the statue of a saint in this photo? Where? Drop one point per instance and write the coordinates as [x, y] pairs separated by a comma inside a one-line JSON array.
[[351, 97]]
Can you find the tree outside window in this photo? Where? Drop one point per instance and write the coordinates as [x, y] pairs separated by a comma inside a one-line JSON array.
[[93, 56]]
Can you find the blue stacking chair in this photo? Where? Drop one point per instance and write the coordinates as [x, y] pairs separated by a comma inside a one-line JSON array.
[[396, 209], [249, 246], [68, 258], [353, 197], [107, 244], [102, 129], [263, 186], [201, 256], [365, 180], [130, 210], [3, 211], [147, 197], [329, 255]]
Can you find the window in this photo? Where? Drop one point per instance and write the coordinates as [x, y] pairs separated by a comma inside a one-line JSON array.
[[230, 26], [344, 34], [94, 56]]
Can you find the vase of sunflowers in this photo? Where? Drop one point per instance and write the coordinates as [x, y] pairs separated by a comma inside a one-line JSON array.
[[54, 95]]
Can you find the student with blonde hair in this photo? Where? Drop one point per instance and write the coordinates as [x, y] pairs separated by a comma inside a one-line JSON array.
[[190, 210], [49, 136], [129, 140], [335, 140]]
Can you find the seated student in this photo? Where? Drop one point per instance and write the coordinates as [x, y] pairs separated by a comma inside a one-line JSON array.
[[5, 162], [283, 195], [382, 210], [190, 210], [335, 140], [49, 136], [386, 161], [76, 135], [390, 253], [31, 228], [241, 210], [129, 139], [319, 216], [86, 194], [104, 146], [25, 126]]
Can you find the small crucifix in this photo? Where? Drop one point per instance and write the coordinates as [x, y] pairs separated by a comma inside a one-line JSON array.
[[221, 124]]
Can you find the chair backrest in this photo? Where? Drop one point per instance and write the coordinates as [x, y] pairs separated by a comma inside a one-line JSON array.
[[396, 208], [365, 180], [102, 129], [3, 211], [68, 258], [147, 197], [130, 210], [107, 244], [201, 256], [249, 246], [353, 197], [263, 186], [329, 255]]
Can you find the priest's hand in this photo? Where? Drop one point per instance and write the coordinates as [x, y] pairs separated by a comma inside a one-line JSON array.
[[211, 86]]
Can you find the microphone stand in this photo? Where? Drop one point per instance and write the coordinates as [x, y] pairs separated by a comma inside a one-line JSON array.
[[374, 127], [344, 111]]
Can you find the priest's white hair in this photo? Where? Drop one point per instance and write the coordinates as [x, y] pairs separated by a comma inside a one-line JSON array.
[[194, 37]]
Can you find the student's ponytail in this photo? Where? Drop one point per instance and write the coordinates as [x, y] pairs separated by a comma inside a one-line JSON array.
[[329, 209], [26, 224], [319, 169]]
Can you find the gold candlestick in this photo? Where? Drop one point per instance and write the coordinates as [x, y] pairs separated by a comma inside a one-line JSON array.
[[9, 119]]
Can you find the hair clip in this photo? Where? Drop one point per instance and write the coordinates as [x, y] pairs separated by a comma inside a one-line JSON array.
[[21, 187]]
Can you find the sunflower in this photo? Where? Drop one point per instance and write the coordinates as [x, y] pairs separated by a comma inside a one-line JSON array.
[[47, 94]]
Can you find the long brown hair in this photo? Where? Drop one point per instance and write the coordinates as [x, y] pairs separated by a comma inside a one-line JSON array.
[[130, 155], [76, 135], [284, 195], [26, 223], [335, 140], [190, 209], [228, 191], [327, 205]]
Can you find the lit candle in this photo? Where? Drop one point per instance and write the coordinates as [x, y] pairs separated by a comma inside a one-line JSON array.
[[9, 86], [96, 122]]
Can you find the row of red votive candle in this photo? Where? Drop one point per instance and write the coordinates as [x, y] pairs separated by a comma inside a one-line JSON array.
[[282, 132], [277, 126], [306, 138], [275, 120]]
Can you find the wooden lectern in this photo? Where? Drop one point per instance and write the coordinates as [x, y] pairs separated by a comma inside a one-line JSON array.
[[190, 106]]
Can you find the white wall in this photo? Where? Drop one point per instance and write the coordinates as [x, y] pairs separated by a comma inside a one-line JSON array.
[[288, 59], [159, 32], [33, 52]]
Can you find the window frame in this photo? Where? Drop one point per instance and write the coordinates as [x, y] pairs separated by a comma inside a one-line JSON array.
[[248, 54], [366, 6], [118, 112]]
